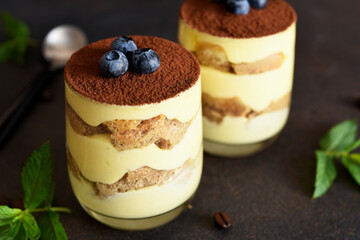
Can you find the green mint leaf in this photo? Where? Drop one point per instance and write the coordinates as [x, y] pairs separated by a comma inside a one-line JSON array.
[[21, 235], [30, 226], [353, 146], [50, 226], [9, 232], [355, 157], [8, 51], [13, 50], [339, 137], [325, 173], [19, 34], [353, 168], [14, 27], [21, 44], [36, 177], [47, 202], [8, 214]]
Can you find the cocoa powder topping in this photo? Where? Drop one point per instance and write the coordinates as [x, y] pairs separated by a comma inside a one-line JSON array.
[[212, 18], [179, 70]]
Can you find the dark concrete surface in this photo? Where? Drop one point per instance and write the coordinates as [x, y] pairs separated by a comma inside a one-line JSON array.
[[268, 196]]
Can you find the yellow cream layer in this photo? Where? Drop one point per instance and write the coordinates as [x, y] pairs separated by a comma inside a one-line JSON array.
[[256, 91], [240, 130], [99, 161], [145, 202], [182, 107], [240, 50]]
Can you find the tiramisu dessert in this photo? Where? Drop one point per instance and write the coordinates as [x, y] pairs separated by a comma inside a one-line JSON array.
[[133, 130], [246, 52]]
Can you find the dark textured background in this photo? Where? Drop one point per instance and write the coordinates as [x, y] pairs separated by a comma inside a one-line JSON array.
[[268, 196]]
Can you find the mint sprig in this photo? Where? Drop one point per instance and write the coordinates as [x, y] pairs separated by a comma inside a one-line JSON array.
[[38, 189], [338, 143], [19, 38], [51, 227], [36, 177], [325, 173]]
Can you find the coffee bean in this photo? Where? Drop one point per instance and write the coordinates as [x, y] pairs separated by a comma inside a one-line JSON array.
[[17, 203], [4, 200], [222, 220]]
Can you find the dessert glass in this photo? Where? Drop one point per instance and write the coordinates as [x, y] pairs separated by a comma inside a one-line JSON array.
[[134, 148], [247, 64]]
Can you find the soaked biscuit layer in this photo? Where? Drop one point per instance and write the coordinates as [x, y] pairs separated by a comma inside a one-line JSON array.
[[131, 134], [214, 56], [215, 109], [132, 180]]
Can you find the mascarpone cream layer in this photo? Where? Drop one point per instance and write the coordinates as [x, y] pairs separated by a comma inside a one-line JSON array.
[[146, 202], [182, 107], [240, 130], [99, 161], [256, 91], [241, 50]]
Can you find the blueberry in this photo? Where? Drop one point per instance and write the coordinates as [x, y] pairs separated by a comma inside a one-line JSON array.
[[125, 45], [240, 7], [259, 4], [113, 64], [145, 60]]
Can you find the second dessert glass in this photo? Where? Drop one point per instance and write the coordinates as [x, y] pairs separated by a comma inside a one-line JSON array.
[[247, 64], [134, 143]]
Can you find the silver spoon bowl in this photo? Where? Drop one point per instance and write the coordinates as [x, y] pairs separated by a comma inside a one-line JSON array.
[[60, 43]]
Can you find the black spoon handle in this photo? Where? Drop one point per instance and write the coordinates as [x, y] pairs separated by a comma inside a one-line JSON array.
[[17, 111]]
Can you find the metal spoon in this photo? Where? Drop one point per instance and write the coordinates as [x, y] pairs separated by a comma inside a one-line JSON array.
[[58, 46], [60, 43]]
